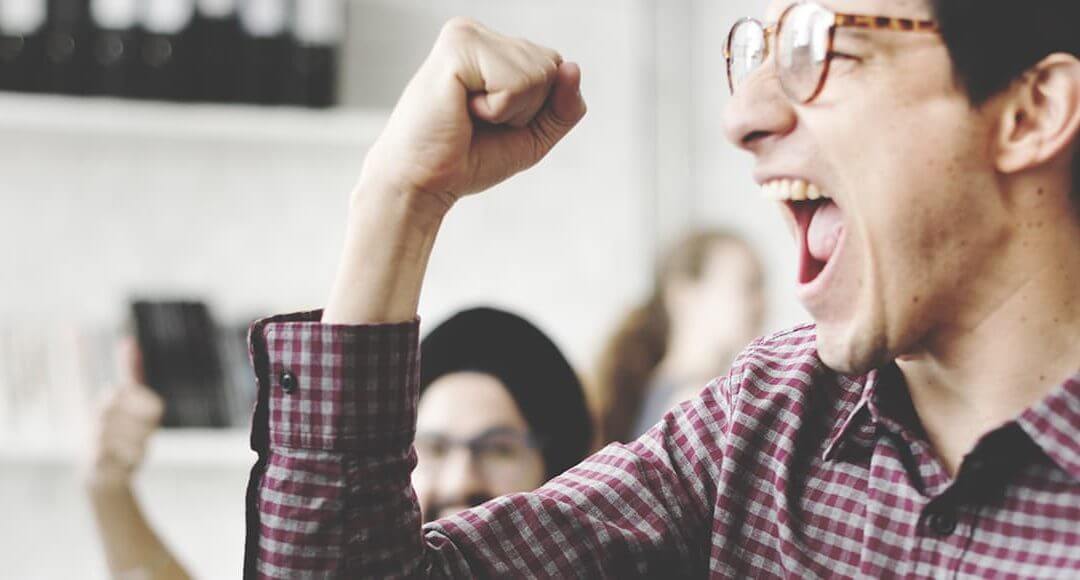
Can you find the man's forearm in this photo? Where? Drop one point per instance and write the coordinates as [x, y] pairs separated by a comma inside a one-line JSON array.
[[387, 246], [336, 412]]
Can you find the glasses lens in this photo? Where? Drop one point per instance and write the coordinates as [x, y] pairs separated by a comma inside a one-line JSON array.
[[746, 50], [804, 49]]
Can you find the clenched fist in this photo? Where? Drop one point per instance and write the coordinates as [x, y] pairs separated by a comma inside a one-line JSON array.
[[129, 414], [481, 108]]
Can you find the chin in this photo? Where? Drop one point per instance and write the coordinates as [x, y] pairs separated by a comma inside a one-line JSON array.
[[852, 350]]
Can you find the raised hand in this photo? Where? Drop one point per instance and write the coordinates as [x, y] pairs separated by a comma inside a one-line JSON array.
[[128, 415], [482, 107]]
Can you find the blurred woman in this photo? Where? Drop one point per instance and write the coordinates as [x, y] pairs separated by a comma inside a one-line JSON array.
[[707, 303]]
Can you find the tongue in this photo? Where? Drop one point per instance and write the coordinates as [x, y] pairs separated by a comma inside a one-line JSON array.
[[824, 231]]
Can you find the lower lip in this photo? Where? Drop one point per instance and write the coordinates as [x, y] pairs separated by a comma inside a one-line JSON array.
[[813, 293]]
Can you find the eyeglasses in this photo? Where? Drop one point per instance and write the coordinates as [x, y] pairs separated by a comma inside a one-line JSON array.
[[498, 452], [805, 35]]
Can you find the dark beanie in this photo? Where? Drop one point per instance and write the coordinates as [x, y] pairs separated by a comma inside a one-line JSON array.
[[530, 366]]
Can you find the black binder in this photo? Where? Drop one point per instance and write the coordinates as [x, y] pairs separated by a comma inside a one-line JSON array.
[[168, 58], [317, 27], [216, 36], [265, 51], [115, 47], [22, 38], [66, 47]]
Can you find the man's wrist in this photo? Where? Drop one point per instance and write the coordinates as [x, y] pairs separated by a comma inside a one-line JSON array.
[[392, 203], [389, 239]]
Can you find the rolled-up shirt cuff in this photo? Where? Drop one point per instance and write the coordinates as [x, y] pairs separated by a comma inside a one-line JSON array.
[[336, 387]]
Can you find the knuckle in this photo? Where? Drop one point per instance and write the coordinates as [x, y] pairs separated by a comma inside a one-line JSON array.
[[550, 67], [543, 76], [547, 57], [459, 27]]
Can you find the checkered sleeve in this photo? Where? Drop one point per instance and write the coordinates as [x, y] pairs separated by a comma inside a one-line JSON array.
[[331, 497], [637, 510], [333, 426]]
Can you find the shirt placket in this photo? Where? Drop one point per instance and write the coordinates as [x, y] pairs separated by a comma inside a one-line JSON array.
[[910, 532]]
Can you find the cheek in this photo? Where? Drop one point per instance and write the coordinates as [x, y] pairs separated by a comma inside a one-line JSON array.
[[928, 202], [911, 177]]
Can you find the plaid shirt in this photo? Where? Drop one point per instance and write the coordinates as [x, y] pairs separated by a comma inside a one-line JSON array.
[[779, 469]]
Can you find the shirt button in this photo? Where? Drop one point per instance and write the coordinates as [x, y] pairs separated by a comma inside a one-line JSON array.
[[288, 382], [942, 523]]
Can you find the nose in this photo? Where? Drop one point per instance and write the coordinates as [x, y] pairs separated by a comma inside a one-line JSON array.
[[460, 479], [759, 112]]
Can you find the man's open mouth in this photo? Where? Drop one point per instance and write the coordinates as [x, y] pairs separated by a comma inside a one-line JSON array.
[[819, 221]]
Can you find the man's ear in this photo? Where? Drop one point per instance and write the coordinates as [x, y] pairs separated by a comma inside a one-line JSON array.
[[1041, 117]]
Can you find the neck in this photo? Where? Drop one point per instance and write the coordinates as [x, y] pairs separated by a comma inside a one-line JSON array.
[[1005, 350]]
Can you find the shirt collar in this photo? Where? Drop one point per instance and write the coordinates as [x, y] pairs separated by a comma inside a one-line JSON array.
[[1054, 425], [853, 411]]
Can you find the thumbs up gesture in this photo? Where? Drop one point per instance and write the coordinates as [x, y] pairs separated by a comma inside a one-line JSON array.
[[127, 416]]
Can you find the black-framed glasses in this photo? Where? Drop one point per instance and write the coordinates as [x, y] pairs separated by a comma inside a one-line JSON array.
[[803, 37]]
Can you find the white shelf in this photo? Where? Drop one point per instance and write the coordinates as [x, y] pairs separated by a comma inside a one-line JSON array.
[[167, 448], [101, 117]]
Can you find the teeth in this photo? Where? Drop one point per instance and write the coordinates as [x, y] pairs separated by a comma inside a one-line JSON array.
[[792, 189], [797, 189]]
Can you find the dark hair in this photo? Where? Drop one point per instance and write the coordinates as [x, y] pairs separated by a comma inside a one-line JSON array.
[[640, 340], [533, 370], [994, 42]]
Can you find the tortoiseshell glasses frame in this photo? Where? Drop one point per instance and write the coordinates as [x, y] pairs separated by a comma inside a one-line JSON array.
[[805, 34]]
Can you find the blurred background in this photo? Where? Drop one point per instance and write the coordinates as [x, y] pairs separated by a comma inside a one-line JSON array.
[[199, 153]]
